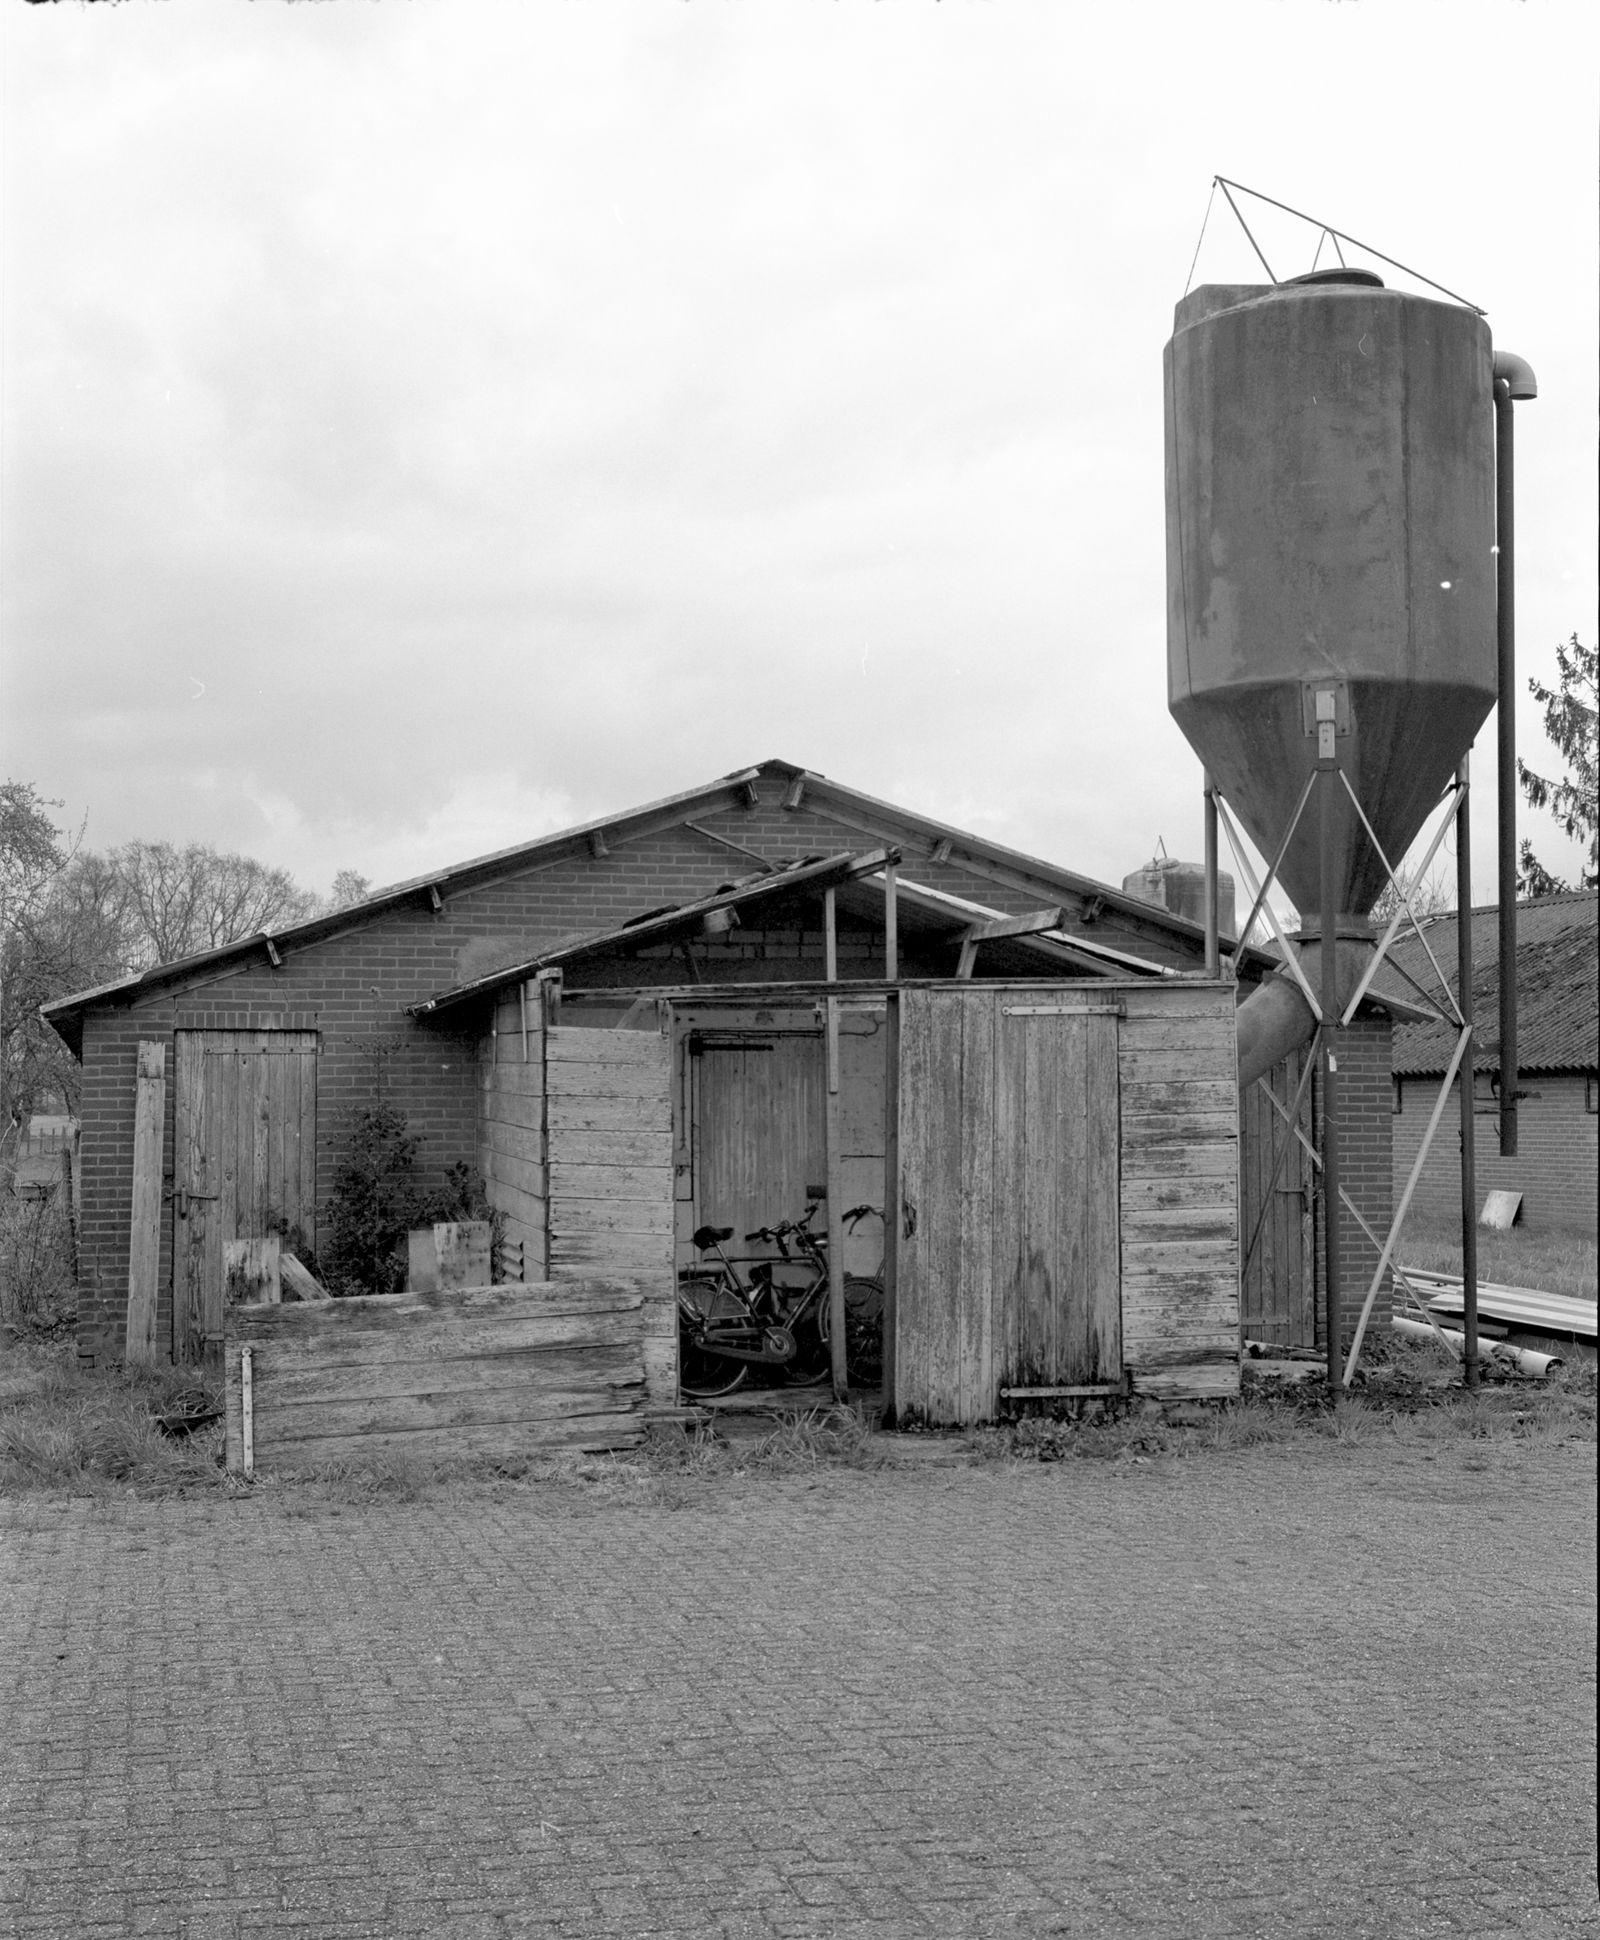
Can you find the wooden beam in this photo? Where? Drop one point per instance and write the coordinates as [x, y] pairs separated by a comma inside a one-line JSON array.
[[833, 1135], [891, 1203], [144, 1231], [272, 953], [941, 850], [434, 897], [597, 843], [752, 795], [968, 957], [727, 842], [1029, 925], [830, 937], [797, 792], [891, 924]]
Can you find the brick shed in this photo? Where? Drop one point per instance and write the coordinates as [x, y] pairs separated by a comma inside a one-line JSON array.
[[257, 1055], [1555, 1170]]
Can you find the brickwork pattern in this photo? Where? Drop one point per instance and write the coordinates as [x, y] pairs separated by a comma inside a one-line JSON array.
[[1557, 1167], [1197, 1699], [1366, 1166]]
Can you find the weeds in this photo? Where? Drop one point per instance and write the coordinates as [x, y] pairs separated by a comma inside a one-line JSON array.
[[37, 1293], [89, 1434]]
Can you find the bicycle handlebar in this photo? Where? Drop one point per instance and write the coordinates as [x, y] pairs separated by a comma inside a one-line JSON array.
[[801, 1228]]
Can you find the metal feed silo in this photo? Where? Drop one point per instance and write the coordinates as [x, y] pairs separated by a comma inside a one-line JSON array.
[[1330, 530], [1338, 568]]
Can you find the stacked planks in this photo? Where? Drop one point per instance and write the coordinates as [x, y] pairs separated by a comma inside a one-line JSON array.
[[1178, 1071], [490, 1372], [609, 1116], [511, 1133]]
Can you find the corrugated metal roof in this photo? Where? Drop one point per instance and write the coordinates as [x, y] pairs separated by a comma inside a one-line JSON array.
[[1558, 988]]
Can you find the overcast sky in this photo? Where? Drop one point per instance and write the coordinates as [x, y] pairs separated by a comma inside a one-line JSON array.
[[427, 425]]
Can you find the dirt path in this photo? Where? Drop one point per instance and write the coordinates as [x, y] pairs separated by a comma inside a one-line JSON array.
[[1345, 1692]]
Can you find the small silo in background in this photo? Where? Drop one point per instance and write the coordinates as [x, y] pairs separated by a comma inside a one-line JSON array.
[[1181, 888]]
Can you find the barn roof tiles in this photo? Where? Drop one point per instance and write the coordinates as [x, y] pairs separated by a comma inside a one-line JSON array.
[[1558, 1008]]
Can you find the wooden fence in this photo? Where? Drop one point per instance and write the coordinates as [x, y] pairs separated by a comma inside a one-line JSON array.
[[489, 1372]]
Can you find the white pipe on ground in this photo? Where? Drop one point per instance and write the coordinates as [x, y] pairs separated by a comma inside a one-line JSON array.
[[1525, 1360]]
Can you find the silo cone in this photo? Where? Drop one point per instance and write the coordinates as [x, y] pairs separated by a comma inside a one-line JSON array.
[[1330, 526]]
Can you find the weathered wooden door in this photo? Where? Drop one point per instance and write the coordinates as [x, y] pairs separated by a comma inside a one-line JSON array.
[[1007, 1269], [245, 1157], [759, 1146], [1277, 1300]]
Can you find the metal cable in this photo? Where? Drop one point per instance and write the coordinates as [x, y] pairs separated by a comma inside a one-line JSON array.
[[1339, 235], [1204, 220], [1226, 190]]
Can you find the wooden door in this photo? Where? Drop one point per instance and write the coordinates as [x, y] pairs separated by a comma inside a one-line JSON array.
[[1008, 1267], [759, 1147], [245, 1158], [1277, 1293]]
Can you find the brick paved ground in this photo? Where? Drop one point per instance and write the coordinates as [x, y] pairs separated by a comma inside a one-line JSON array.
[[1349, 1693]]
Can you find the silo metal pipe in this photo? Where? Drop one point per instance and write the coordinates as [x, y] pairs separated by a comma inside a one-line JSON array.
[[1513, 381]]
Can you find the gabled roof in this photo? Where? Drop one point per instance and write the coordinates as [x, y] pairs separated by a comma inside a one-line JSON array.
[[859, 878], [882, 822], [1558, 1000], [655, 927]]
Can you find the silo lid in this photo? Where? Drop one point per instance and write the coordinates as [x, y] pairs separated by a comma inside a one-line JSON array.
[[1363, 278]]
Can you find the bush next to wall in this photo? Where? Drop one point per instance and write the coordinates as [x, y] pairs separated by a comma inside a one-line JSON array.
[[376, 1200]]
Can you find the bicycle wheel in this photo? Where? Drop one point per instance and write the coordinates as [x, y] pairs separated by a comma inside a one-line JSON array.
[[863, 1330], [702, 1374], [811, 1358]]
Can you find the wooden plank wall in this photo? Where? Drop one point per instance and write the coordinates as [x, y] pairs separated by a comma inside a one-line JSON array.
[[1278, 1294], [511, 1129], [492, 1372], [1007, 1259], [1177, 1064], [244, 1156], [609, 1119]]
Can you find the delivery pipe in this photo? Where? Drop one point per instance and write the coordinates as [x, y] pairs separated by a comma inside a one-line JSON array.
[[1275, 1018], [1469, 1167], [1514, 382]]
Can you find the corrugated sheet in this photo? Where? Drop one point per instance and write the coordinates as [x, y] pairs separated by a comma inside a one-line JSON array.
[[1558, 1009]]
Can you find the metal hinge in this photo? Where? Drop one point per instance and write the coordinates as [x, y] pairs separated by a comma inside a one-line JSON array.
[[1062, 1010]]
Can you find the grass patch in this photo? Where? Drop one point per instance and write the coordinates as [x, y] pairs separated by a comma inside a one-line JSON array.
[[1413, 1393], [1551, 1262], [80, 1433]]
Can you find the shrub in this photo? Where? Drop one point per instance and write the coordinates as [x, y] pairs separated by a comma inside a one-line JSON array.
[[377, 1199]]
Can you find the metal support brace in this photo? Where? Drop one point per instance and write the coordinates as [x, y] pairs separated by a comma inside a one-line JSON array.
[[1291, 961], [1359, 1217], [1277, 860], [1462, 1042], [1405, 905]]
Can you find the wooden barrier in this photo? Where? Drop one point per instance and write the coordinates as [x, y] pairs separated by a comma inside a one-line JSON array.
[[488, 1372]]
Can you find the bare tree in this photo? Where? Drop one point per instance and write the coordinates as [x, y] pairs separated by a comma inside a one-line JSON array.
[[33, 855], [1428, 896], [183, 902]]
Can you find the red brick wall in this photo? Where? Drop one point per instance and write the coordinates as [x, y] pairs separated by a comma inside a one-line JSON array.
[[1556, 1168], [1366, 1168]]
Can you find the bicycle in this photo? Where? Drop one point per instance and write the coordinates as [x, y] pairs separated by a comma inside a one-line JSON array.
[[727, 1325]]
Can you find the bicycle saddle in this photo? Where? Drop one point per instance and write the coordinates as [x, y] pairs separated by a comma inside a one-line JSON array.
[[711, 1236]]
